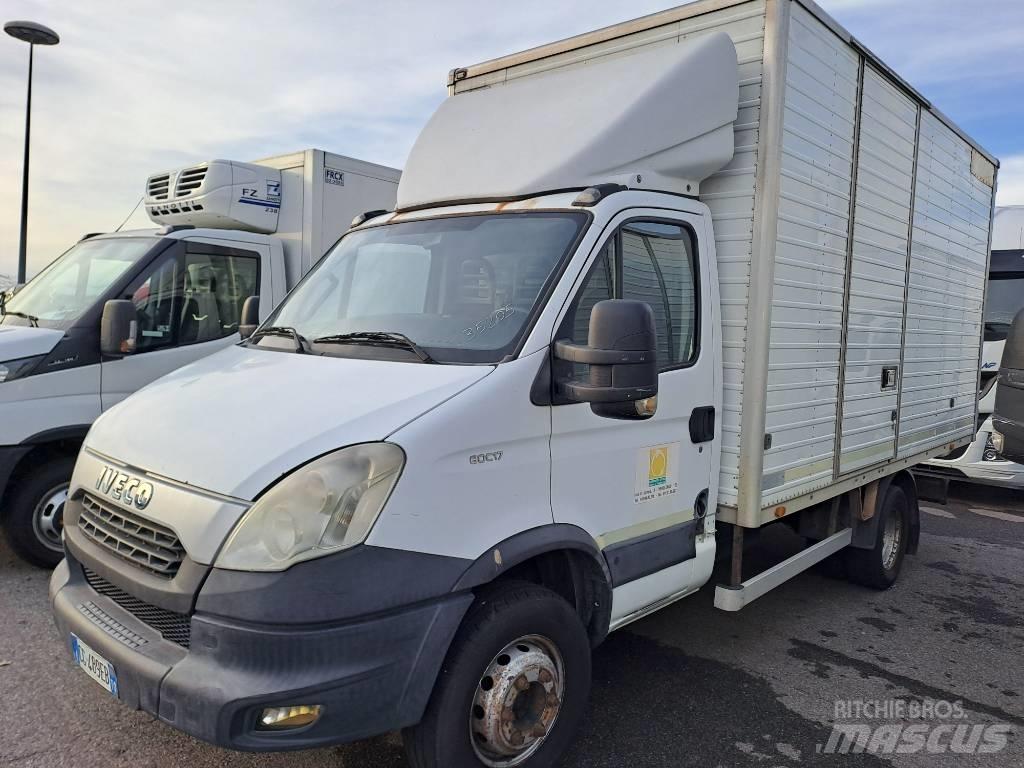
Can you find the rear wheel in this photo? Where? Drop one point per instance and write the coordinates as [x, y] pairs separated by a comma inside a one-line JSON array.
[[35, 514], [879, 567], [513, 687]]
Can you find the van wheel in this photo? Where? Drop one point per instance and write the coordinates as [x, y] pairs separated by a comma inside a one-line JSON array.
[[513, 686], [35, 514], [879, 566]]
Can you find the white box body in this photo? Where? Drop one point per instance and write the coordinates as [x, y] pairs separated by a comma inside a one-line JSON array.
[[852, 231]]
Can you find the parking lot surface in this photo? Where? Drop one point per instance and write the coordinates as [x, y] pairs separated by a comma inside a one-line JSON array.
[[688, 686]]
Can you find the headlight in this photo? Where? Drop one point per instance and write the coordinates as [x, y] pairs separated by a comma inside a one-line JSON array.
[[998, 441], [328, 505], [15, 369]]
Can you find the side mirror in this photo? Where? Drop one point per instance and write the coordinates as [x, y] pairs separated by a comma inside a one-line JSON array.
[[1008, 419], [119, 327], [250, 317], [621, 351]]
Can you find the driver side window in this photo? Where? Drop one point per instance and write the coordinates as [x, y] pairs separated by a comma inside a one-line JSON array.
[[654, 262], [193, 297]]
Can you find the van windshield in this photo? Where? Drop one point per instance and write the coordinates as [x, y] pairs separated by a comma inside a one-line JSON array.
[[463, 289], [1005, 300], [70, 285]]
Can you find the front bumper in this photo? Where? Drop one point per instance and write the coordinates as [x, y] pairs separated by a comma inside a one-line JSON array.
[[370, 675], [970, 465]]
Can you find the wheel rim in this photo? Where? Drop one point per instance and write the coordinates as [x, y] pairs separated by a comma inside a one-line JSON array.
[[892, 538], [517, 701], [48, 517]]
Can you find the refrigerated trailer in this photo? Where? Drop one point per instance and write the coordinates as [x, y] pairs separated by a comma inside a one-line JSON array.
[[649, 287], [225, 231]]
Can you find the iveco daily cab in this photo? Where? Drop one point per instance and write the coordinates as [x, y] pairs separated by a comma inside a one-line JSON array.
[[660, 281], [228, 231]]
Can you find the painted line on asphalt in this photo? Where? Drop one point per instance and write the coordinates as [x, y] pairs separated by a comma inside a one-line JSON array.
[[937, 512], [998, 515]]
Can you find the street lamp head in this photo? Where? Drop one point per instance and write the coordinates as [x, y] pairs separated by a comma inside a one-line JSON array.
[[30, 32]]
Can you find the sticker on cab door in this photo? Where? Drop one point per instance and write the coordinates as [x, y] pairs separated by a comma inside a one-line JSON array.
[[657, 472]]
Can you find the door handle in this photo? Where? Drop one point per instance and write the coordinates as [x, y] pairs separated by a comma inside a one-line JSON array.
[[702, 424]]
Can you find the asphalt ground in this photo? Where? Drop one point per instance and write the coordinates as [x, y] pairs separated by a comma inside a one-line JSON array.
[[688, 686]]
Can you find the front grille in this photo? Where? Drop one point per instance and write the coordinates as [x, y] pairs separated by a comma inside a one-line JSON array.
[[148, 545], [176, 627]]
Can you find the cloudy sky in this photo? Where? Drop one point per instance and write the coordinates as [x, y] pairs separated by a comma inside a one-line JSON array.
[[127, 93]]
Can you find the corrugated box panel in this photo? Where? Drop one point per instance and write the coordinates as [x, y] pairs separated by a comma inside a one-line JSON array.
[[730, 196], [949, 256], [810, 259], [878, 274]]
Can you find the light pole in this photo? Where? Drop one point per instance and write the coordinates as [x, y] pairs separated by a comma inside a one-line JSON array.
[[33, 34]]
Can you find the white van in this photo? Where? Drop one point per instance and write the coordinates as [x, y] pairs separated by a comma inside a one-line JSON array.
[[640, 287], [981, 462], [227, 231]]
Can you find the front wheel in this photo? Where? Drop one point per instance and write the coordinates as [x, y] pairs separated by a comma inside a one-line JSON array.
[[35, 514], [513, 686]]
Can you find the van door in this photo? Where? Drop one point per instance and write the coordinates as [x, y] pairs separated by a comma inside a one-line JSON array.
[[638, 486], [189, 303]]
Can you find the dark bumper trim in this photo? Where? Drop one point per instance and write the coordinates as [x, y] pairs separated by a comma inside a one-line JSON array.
[[371, 675]]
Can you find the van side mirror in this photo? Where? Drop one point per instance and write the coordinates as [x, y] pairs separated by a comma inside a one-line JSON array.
[[119, 327], [621, 351], [1008, 419], [250, 317]]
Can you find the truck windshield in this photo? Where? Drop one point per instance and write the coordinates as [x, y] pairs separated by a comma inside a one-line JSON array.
[[1005, 300], [57, 296], [461, 288]]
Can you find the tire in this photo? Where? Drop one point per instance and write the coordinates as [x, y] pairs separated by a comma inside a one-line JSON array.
[[879, 567], [35, 512], [510, 627]]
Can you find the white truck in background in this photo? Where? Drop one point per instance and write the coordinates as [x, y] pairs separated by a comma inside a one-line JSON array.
[[981, 462], [226, 231], [642, 287]]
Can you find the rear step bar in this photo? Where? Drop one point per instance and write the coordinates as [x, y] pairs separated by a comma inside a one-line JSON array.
[[733, 598]]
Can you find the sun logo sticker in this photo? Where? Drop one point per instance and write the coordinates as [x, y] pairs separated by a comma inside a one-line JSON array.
[[657, 467], [657, 472]]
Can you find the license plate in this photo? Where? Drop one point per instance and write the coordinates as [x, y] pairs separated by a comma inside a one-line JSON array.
[[95, 666]]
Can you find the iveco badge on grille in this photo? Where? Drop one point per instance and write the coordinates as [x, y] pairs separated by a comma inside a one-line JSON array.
[[124, 488]]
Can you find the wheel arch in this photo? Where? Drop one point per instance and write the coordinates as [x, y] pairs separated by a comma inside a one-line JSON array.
[[561, 557], [60, 442], [865, 531]]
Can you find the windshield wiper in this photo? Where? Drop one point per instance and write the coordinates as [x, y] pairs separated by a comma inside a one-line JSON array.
[[301, 343], [377, 339], [33, 320]]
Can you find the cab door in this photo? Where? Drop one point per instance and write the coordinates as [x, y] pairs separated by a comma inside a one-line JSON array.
[[189, 303], [638, 486]]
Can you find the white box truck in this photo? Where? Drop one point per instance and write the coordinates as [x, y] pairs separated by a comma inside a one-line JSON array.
[[227, 231], [684, 275], [980, 461]]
